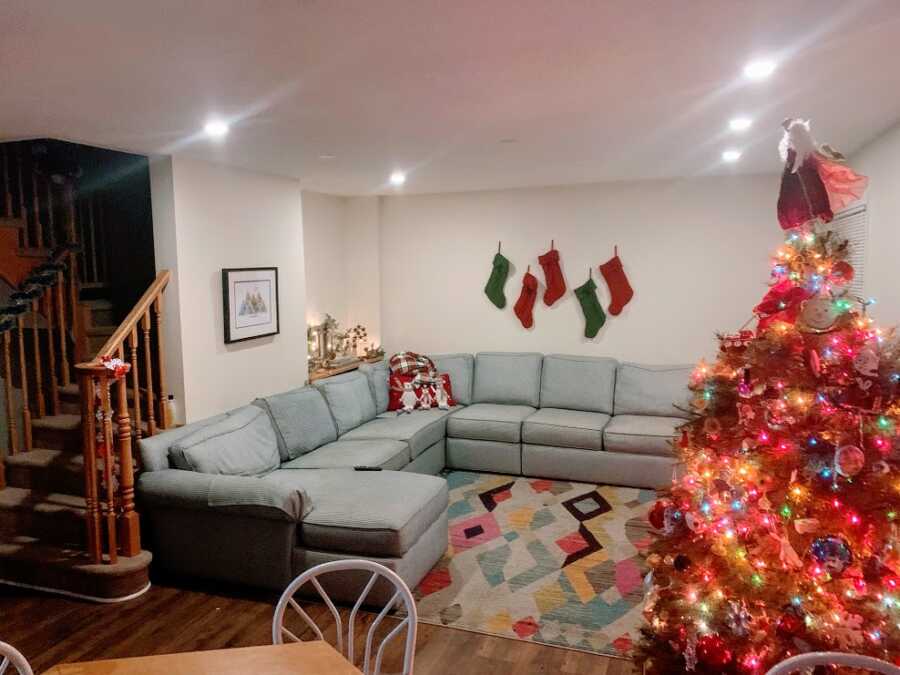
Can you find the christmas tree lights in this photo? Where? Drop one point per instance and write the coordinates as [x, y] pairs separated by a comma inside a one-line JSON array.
[[782, 536]]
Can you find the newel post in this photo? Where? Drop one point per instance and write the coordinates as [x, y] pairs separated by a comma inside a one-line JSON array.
[[89, 445], [129, 523]]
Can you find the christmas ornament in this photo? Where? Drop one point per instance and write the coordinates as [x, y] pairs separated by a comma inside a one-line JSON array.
[[553, 276], [594, 317], [806, 525], [497, 280], [525, 304], [790, 624], [713, 651], [818, 315], [815, 363], [657, 515], [865, 363], [620, 290], [832, 552], [803, 197], [849, 460], [681, 562]]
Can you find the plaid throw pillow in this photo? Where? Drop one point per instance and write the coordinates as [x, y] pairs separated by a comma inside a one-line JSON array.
[[410, 363]]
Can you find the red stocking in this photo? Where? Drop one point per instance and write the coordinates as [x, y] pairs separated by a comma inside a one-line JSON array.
[[556, 285], [619, 289], [525, 304]]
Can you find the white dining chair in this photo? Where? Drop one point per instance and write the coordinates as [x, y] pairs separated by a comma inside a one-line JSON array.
[[10, 656], [796, 663], [402, 595]]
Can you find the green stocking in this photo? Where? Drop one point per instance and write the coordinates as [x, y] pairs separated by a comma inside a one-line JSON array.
[[494, 288], [594, 317]]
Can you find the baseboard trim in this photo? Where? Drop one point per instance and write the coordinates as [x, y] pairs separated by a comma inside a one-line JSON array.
[[78, 596]]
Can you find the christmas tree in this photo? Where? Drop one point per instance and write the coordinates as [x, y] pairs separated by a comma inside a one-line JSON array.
[[781, 536]]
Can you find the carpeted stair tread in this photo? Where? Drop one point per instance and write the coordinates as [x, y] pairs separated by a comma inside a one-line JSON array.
[[70, 390], [42, 458], [15, 499], [58, 422]]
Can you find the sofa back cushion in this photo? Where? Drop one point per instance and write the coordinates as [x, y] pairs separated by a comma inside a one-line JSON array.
[[460, 368], [243, 444], [378, 374], [578, 383], [349, 399], [512, 378], [154, 450], [652, 390], [301, 419]]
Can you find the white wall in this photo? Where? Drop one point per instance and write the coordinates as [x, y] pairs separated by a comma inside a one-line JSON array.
[[221, 217], [880, 161], [341, 240], [696, 252]]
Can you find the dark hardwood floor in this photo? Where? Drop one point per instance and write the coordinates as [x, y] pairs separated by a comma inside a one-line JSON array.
[[50, 630]]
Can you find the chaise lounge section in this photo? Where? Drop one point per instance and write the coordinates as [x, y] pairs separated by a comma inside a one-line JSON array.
[[259, 494]]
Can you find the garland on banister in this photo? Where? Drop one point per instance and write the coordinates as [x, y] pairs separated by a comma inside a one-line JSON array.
[[782, 535]]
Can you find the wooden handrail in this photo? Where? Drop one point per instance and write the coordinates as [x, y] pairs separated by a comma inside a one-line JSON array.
[[113, 345]]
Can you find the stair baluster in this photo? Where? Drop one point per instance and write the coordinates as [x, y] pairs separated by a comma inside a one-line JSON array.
[[38, 370], [51, 217], [164, 420], [109, 494], [61, 322], [38, 226], [23, 214], [10, 403], [89, 448], [7, 182], [23, 374], [135, 382], [51, 351], [128, 519], [148, 374]]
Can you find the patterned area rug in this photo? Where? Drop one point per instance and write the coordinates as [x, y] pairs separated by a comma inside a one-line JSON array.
[[549, 561]]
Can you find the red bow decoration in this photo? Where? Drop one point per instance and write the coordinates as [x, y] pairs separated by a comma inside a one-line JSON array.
[[781, 303]]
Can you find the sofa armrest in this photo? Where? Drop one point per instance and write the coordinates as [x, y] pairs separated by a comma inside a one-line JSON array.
[[240, 495]]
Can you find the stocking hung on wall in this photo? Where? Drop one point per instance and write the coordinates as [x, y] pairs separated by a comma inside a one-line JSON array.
[[620, 291], [497, 280], [525, 304], [556, 284], [594, 317]]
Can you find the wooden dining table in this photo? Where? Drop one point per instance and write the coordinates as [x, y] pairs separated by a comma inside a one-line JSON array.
[[295, 658]]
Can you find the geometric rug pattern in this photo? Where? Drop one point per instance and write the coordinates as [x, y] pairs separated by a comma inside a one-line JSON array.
[[554, 562]]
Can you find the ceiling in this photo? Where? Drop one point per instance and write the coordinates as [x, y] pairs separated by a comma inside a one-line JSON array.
[[468, 94]]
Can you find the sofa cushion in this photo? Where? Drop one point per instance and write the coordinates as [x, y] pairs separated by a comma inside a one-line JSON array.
[[641, 434], [565, 428], [392, 455], [508, 378], [460, 368], [154, 450], [373, 513], [489, 422], [349, 399], [377, 374], [419, 429], [301, 419], [243, 444], [578, 383], [652, 390]]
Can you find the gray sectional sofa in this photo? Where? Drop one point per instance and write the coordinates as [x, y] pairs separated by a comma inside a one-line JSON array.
[[258, 494]]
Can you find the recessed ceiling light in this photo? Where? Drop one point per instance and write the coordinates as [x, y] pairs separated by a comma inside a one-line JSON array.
[[326, 156], [215, 128], [759, 70], [508, 140], [397, 178], [731, 156], [740, 124]]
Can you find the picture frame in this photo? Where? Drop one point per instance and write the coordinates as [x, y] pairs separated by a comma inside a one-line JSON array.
[[250, 303]]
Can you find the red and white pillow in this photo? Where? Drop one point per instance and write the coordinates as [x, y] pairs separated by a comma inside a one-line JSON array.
[[410, 363], [424, 390]]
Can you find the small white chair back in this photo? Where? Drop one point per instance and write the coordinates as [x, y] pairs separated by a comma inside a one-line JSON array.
[[402, 595], [802, 661], [10, 656]]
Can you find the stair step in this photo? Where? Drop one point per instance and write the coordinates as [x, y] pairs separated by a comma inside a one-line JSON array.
[[17, 223], [46, 470], [58, 432], [34, 252], [40, 564], [100, 331], [54, 517]]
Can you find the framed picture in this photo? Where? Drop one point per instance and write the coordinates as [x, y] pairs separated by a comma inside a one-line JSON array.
[[250, 301]]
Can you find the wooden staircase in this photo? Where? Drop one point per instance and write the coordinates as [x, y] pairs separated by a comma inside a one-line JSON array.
[[68, 522]]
